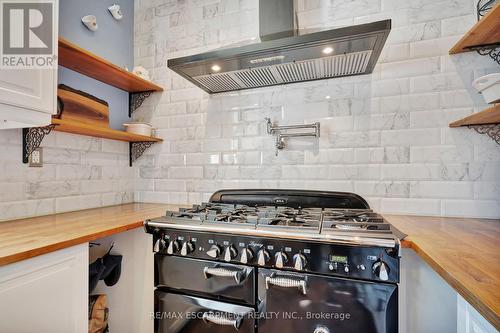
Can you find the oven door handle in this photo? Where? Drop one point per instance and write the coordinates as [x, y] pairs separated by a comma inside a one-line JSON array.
[[286, 282], [237, 275], [221, 320]]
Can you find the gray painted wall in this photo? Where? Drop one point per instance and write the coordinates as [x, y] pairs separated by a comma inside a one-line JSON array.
[[113, 41]]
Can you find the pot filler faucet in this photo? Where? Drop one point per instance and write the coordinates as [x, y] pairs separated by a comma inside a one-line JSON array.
[[282, 132]]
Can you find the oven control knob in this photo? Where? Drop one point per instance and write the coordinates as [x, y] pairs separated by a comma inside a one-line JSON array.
[[230, 253], [173, 247], [187, 248], [246, 256], [381, 270], [262, 257], [160, 245], [214, 251], [280, 259], [321, 329], [299, 262]]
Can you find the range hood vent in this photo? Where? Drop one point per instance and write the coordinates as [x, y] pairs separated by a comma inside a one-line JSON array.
[[326, 54]]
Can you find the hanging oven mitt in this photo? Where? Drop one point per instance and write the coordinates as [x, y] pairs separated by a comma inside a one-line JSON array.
[[96, 269], [112, 270]]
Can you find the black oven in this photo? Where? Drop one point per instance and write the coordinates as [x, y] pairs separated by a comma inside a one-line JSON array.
[[321, 304], [197, 295], [243, 263]]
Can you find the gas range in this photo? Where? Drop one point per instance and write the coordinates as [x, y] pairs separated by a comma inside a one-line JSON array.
[[252, 248], [356, 226]]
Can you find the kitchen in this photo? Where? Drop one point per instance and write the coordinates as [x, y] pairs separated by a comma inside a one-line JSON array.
[[403, 134]]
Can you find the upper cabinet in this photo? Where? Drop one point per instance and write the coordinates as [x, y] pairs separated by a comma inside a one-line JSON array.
[[28, 97]]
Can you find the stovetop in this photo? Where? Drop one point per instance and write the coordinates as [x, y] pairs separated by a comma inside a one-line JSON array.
[[332, 216], [302, 220]]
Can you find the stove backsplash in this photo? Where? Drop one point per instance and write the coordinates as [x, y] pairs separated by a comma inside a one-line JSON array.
[[384, 136]]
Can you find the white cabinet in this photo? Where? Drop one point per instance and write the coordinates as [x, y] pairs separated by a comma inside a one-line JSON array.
[[429, 304], [28, 97], [48, 293], [469, 320]]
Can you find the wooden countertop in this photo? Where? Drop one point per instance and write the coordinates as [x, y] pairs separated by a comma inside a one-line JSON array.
[[27, 238], [464, 252]]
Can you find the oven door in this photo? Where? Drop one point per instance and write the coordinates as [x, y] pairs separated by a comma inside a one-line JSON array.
[[308, 303], [175, 313], [223, 281]]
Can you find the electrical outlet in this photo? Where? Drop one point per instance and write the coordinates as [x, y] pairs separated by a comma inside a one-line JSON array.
[[36, 158]]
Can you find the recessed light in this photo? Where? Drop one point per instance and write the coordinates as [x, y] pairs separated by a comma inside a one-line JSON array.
[[216, 68], [327, 97], [328, 50]]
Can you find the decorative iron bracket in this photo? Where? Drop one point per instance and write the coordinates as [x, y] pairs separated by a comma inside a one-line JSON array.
[[32, 138], [492, 50], [491, 130], [135, 100], [136, 149]]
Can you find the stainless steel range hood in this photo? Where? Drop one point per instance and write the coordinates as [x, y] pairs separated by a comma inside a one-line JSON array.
[[283, 56]]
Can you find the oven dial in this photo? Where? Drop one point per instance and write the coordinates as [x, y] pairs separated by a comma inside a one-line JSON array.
[[173, 247], [187, 248], [381, 270], [280, 259], [299, 262], [246, 256], [214, 251], [230, 253], [160, 245], [321, 329], [262, 257]]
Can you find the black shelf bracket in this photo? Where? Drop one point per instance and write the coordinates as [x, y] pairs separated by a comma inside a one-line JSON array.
[[32, 138], [135, 100], [491, 130], [492, 50], [136, 149]]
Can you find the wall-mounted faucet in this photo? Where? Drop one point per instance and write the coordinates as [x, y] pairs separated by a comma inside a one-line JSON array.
[[280, 136]]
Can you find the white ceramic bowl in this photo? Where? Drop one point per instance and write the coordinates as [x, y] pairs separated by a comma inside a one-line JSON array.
[[489, 87], [139, 128]]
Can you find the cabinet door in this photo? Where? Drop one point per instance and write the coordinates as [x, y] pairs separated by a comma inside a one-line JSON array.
[[48, 293], [33, 89]]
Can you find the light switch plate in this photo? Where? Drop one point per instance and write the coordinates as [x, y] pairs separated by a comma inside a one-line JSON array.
[[36, 158]]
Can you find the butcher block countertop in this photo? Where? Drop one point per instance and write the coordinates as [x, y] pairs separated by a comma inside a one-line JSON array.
[[464, 251], [27, 238]]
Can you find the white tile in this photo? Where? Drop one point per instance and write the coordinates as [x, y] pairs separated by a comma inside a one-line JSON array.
[[411, 137], [185, 172], [410, 206], [441, 154], [472, 208], [441, 189]]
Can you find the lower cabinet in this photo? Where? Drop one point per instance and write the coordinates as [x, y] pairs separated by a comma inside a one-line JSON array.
[[48, 293], [471, 321], [429, 304]]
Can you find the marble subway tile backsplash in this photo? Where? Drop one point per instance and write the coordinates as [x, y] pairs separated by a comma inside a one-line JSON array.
[[79, 172], [384, 136]]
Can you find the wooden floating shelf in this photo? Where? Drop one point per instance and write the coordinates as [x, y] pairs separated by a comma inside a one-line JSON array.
[[84, 62], [489, 116], [486, 32], [100, 132]]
